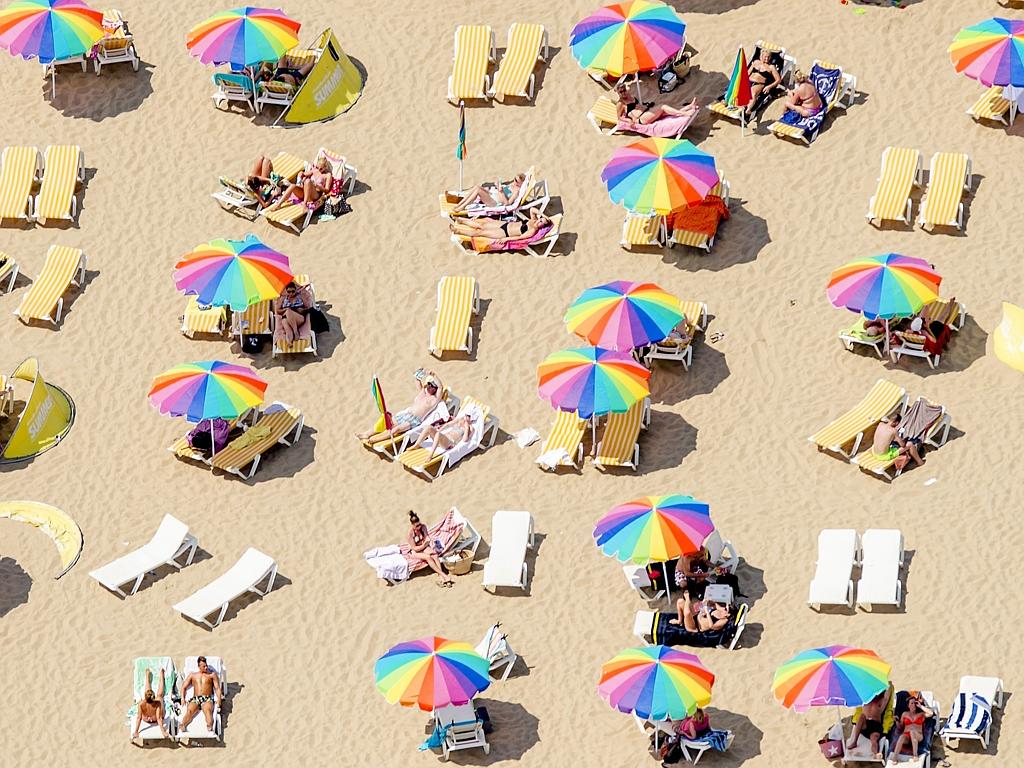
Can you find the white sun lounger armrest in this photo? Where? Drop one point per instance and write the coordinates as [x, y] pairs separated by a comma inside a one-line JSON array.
[[171, 541], [244, 576]]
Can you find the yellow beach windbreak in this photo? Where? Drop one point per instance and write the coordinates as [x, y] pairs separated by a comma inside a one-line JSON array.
[[331, 88], [46, 418]]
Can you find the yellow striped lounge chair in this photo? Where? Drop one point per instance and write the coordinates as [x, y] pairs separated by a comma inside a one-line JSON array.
[[850, 428], [566, 435], [203, 320], [236, 197], [845, 93], [738, 114], [45, 299], [63, 171], [533, 193], [253, 321], [183, 450], [538, 248], [700, 239], [296, 216], [278, 424], [643, 231], [418, 459], [949, 178], [390, 448], [695, 312], [936, 437], [604, 116], [279, 93], [901, 170], [8, 270], [117, 45], [947, 311], [299, 346], [620, 443], [991, 105], [474, 51], [21, 168], [527, 44], [458, 299]]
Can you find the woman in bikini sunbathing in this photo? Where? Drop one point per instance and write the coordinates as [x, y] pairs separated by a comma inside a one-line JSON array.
[[151, 708], [632, 111], [804, 98], [500, 193], [702, 616], [423, 548], [502, 232], [310, 187], [447, 435], [763, 76], [911, 726]]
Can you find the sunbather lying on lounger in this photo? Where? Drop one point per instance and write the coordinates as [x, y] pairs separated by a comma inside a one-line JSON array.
[[310, 187], [151, 708], [502, 232], [911, 726], [870, 722], [205, 684], [499, 193], [422, 547], [701, 616], [447, 435], [888, 444], [291, 309], [633, 111], [804, 98], [763, 76], [284, 73], [425, 401], [264, 182]]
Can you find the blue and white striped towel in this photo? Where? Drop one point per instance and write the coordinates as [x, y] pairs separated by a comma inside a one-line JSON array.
[[717, 740], [970, 712]]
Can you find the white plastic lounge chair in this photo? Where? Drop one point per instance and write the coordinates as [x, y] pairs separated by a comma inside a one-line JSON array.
[[638, 578], [991, 105], [511, 536], [151, 731], [419, 460], [971, 715], [197, 727], [644, 629], [117, 45], [838, 552], [882, 559], [495, 648], [170, 542], [913, 345], [8, 270], [464, 729], [533, 193], [233, 87], [850, 429], [856, 334], [244, 576], [693, 749], [721, 553]]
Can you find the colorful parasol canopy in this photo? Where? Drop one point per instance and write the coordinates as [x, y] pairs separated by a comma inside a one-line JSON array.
[[654, 529], [49, 30], [659, 175], [991, 52], [243, 37], [592, 380], [431, 673], [234, 273], [656, 682], [629, 37], [737, 93], [884, 286], [623, 315], [384, 422], [1008, 338], [207, 390], [838, 676]]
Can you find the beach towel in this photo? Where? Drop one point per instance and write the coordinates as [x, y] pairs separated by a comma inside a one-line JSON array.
[[825, 82], [703, 217], [857, 331], [919, 419], [389, 562], [970, 712], [446, 531], [666, 633], [154, 664], [487, 245], [718, 740], [251, 437], [436, 737], [667, 127], [936, 344]]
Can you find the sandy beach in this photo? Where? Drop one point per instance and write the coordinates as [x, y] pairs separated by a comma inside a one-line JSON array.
[[732, 431]]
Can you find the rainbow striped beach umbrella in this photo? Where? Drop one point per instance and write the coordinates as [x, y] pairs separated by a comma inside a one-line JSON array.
[[233, 273], [659, 175], [628, 37], [885, 286], [431, 673], [49, 30], [243, 37], [837, 675], [991, 52], [654, 529], [623, 315], [207, 390], [591, 380], [656, 682]]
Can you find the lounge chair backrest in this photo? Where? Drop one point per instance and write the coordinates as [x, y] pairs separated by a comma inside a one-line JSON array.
[[521, 54], [279, 87], [946, 183], [472, 54], [621, 432], [336, 160], [233, 83], [58, 271], [62, 172], [919, 419], [20, 168], [883, 398], [455, 301], [777, 58], [299, 57], [288, 165], [254, 320], [827, 80]]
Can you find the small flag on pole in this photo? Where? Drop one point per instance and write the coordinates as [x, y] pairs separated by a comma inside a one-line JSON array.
[[738, 92], [460, 150]]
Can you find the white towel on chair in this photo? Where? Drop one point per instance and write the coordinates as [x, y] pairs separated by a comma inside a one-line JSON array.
[[388, 562], [552, 458]]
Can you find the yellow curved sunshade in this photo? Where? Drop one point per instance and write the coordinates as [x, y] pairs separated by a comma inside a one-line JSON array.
[[1009, 337], [56, 524]]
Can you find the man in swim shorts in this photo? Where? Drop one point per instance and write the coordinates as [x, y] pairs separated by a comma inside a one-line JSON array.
[[205, 685], [870, 723], [888, 444], [426, 400]]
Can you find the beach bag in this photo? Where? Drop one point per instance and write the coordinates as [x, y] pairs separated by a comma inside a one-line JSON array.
[[668, 81], [830, 748], [318, 321], [252, 345], [485, 719], [210, 435]]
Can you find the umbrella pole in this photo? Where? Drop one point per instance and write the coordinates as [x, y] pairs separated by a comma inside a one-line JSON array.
[[213, 445], [53, 81], [636, 79], [887, 335], [668, 584]]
